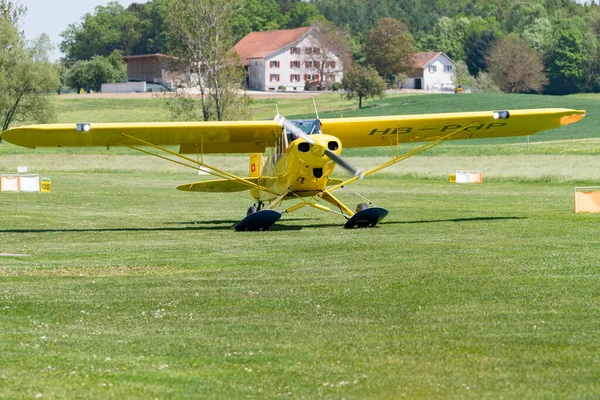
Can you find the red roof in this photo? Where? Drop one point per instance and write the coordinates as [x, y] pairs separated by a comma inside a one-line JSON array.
[[421, 59], [262, 44]]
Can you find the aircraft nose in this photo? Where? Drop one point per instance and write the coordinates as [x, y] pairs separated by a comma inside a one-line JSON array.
[[320, 145]]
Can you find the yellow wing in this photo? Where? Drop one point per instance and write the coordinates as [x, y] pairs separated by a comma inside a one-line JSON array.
[[383, 131], [255, 136], [194, 137]]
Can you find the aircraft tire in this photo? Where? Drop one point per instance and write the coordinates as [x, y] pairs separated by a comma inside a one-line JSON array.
[[361, 206], [251, 210]]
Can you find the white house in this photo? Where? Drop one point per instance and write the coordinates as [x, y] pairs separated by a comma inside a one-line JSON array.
[[290, 59], [434, 71]]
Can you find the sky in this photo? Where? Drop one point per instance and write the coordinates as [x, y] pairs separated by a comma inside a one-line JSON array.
[[53, 16]]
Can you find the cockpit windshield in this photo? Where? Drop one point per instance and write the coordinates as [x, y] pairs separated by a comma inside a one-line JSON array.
[[309, 126]]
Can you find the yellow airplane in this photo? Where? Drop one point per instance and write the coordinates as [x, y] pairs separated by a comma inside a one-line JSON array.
[[300, 155]]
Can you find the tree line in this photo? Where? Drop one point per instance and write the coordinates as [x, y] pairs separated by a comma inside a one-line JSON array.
[[559, 39]]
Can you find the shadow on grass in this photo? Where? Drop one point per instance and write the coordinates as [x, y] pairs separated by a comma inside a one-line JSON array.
[[431, 221], [197, 227], [227, 225], [227, 221]]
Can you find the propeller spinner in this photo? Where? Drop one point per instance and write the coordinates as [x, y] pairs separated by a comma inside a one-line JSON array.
[[284, 123]]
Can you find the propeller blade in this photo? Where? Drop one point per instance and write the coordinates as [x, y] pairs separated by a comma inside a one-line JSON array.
[[341, 162], [284, 123]]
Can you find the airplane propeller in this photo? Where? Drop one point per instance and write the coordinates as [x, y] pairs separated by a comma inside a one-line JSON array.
[[284, 123]]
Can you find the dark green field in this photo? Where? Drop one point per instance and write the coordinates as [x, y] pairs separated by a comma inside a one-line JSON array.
[[116, 285]]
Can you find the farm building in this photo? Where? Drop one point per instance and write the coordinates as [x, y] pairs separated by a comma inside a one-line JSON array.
[[290, 59], [434, 71], [150, 68]]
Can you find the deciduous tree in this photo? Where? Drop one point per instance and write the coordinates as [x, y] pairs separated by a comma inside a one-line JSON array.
[[482, 82], [110, 28], [479, 37], [514, 67], [447, 36], [389, 48], [329, 41], [26, 75], [254, 16], [566, 59], [90, 75], [12, 12], [362, 83], [202, 40]]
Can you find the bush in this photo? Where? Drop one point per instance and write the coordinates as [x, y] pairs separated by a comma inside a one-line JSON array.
[[336, 86], [91, 74]]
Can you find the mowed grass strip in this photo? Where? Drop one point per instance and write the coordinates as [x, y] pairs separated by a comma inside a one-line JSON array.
[[131, 289]]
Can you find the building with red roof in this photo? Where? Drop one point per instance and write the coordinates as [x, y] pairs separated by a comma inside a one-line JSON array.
[[434, 71], [289, 59]]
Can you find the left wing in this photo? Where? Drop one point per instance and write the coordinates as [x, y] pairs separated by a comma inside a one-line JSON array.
[[386, 130], [193, 137]]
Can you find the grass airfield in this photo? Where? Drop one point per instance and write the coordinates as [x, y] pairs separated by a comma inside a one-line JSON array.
[[127, 288]]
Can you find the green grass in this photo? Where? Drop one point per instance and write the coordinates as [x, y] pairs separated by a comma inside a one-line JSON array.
[[465, 291], [93, 109], [127, 288]]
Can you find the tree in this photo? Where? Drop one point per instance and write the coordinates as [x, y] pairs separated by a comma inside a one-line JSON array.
[[514, 67], [12, 12], [26, 76], [301, 15], [254, 16], [479, 37], [389, 47], [538, 34], [329, 41], [202, 40], [566, 59], [151, 27], [110, 28], [90, 75], [448, 36], [362, 83], [483, 82]]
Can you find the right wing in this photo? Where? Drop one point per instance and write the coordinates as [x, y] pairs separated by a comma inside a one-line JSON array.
[[193, 137]]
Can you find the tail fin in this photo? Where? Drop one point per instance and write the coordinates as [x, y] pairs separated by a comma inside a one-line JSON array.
[[256, 164]]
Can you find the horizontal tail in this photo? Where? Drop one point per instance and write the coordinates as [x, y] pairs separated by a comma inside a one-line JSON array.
[[217, 186]]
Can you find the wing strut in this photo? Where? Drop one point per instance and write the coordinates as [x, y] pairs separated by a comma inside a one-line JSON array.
[[196, 164], [399, 158]]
